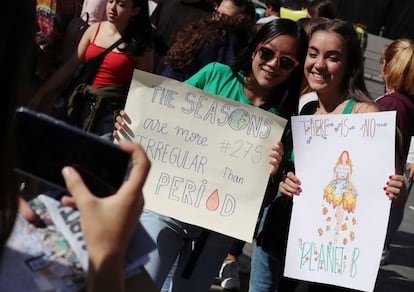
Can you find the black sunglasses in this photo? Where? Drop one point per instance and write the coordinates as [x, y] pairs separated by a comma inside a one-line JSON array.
[[284, 62]]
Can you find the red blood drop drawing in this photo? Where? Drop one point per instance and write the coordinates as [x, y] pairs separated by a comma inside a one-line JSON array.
[[213, 201]]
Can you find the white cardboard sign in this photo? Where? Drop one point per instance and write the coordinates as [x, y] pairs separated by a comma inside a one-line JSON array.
[[209, 154], [339, 220]]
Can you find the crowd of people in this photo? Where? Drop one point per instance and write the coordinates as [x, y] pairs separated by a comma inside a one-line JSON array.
[[310, 65]]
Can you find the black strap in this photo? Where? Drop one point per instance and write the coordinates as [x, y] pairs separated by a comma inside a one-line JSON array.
[[87, 18], [110, 48], [195, 254]]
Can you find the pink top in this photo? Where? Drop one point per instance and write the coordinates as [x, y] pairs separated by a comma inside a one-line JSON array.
[[96, 9]]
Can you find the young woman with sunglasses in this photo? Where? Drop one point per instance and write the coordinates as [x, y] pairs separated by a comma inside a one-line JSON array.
[[267, 74], [334, 70]]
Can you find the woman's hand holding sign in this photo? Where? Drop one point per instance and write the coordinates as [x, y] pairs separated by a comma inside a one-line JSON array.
[[121, 126], [276, 157]]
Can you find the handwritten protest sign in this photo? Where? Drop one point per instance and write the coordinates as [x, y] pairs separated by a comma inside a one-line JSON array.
[[210, 155], [339, 221]]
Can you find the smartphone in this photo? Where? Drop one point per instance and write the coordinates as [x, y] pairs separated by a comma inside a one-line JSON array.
[[45, 145]]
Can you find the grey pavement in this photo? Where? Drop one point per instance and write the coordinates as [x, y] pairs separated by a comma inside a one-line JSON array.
[[395, 276], [398, 274]]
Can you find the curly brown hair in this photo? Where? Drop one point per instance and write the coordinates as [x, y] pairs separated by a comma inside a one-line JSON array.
[[206, 31]]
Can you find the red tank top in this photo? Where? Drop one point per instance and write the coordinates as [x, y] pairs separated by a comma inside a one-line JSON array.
[[116, 68]]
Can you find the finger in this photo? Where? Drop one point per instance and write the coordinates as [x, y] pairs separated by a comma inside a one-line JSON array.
[[123, 129], [68, 201], [293, 182], [276, 151], [75, 185], [290, 186], [26, 210], [125, 116], [396, 181], [275, 161], [391, 196], [290, 175], [396, 177], [274, 166], [140, 167], [118, 125], [115, 135], [294, 188], [392, 190], [275, 157], [411, 174], [395, 184], [125, 135], [285, 190], [278, 148], [120, 119]]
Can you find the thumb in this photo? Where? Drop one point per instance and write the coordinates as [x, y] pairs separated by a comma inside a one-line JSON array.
[[75, 185]]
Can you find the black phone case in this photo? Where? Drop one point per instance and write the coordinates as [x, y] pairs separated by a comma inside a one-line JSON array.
[[45, 145]]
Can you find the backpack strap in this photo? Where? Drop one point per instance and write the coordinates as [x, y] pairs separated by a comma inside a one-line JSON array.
[[111, 47]]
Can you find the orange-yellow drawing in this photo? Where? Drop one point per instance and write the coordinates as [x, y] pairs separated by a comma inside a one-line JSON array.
[[341, 193], [320, 231], [340, 190]]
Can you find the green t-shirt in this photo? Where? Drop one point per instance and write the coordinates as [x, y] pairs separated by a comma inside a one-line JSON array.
[[219, 79]]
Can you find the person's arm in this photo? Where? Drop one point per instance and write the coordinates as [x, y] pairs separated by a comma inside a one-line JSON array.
[[410, 169], [43, 98], [399, 192], [108, 223]]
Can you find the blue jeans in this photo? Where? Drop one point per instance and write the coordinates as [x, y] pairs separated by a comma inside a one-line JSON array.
[[265, 271], [175, 242]]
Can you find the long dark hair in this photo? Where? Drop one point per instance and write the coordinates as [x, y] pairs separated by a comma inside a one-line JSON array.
[[286, 95], [353, 83], [322, 8], [17, 44], [295, 4], [138, 34], [245, 7]]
